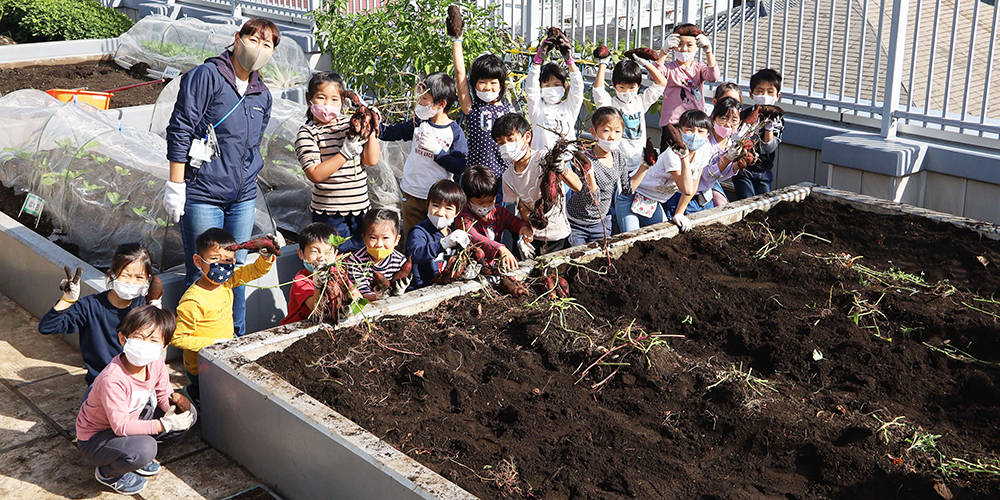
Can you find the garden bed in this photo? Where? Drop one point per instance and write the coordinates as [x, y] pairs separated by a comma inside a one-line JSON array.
[[97, 76], [822, 352]]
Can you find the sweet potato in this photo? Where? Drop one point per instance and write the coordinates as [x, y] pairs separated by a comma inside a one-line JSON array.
[[404, 270], [454, 24], [601, 51], [255, 245], [649, 154], [675, 141], [379, 283], [643, 52], [562, 287], [750, 116], [549, 285], [537, 216], [183, 405], [513, 287], [155, 289], [770, 112]]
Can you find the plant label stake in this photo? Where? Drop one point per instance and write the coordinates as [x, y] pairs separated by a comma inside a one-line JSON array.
[[170, 72], [33, 205]]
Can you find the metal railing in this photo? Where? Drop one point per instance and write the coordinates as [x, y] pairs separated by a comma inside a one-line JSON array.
[[921, 66]]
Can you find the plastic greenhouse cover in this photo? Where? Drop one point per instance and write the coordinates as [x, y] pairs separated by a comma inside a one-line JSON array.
[[185, 43], [102, 182]]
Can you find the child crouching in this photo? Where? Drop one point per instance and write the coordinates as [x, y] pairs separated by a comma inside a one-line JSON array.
[[371, 267], [485, 220], [431, 241]]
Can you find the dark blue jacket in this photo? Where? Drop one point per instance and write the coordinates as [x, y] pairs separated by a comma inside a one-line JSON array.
[[207, 93], [97, 321], [452, 160], [423, 245]]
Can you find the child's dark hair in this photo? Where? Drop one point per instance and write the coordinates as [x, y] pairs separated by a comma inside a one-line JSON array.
[[317, 81], [126, 254], [627, 72], [377, 216], [262, 27], [552, 70], [488, 67], [508, 124], [441, 87], [448, 192], [766, 75], [687, 29], [316, 232], [142, 318], [725, 106], [604, 114], [726, 87], [479, 181], [212, 237], [695, 118]]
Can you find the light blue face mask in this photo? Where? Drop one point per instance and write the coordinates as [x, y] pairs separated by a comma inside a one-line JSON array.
[[308, 265], [693, 141]]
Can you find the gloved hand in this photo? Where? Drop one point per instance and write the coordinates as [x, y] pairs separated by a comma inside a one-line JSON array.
[[399, 286], [155, 292], [734, 151], [173, 421], [673, 41], [71, 285], [456, 238], [527, 250], [352, 147], [682, 223], [769, 125], [566, 50], [704, 42], [602, 55], [267, 251], [564, 159], [429, 143], [173, 199], [640, 61], [543, 52]]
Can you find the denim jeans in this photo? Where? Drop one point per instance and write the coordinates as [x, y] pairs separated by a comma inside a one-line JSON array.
[[237, 218], [347, 226], [693, 206], [627, 219], [747, 184], [582, 235]]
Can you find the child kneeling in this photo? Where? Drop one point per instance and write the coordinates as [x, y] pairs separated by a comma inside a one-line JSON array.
[[380, 233], [131, 406], [433, 240]]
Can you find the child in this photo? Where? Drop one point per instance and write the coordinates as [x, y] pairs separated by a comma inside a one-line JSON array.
[[684, 75], [332, 162], [481, 96], [588, 211], [204, 314], [725, 121], [485, 220], [430, 241], [765, 87], [522, 183], [626, 78], [675, 172], [381, 235], [439, 146], [315, 250], [727, 89], [552, 117], [128, 409], [98, 316]]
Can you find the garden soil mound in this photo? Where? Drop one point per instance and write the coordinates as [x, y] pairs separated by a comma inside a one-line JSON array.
[[820, 352], [97, 76]]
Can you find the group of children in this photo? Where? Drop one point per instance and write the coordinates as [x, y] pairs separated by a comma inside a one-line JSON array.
[[462, 187]]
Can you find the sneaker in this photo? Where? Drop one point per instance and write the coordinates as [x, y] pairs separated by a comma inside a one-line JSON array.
[[129, 484], [151, 469]]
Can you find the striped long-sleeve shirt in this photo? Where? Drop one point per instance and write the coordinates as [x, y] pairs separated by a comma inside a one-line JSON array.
[[361, 266], [346, 191]]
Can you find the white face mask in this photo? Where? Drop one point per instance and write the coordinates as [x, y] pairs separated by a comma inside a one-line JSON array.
[[512, 151], [481, 211], [627, 97], [126, 291], [440, 222], [766, 100], [609, 145], [424, 112], [488, 96], [552, 95], [684, 56], [141, 353]]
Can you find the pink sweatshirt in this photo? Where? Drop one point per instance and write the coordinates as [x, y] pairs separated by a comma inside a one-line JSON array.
[[684, 89], [117, 399]]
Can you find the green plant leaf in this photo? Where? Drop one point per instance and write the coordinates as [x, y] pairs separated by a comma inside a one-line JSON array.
[[336, 240], [358, 305], [122, 171], [150, 183], [91, 187], [115, 198], [141, 211]]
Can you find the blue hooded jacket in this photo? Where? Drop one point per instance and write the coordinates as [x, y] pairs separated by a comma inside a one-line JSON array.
[[207, 93]]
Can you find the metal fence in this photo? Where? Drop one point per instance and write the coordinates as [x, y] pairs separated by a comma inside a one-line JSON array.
[[920, 66]]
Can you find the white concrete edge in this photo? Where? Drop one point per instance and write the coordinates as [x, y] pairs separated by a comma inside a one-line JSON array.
[[39, 53]]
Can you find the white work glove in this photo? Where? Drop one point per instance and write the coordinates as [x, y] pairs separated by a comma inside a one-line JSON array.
[[734, 151], [71, 285], [704, 42], [640, 61], [607, 61], [527, 250], [682, 223], [173, 199], [429, 143], [456, 238], [173, 421], [564, 159], [769, 125], [352, 147], [399, 286], [673, 41]]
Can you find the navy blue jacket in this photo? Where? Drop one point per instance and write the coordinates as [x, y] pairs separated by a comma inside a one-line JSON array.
[[423, 245], [97, 321], [452, 160], [207, 93]]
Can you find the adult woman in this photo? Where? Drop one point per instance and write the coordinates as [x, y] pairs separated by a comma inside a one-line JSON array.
[[213, 145]]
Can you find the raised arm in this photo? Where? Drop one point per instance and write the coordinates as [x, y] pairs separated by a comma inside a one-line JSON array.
[[461, 79]]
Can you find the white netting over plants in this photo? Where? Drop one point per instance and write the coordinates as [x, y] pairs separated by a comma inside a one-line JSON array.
[[102, 182], [160, 41]]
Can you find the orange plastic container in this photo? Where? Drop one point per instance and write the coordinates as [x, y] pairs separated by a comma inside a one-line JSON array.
[[100, 100]]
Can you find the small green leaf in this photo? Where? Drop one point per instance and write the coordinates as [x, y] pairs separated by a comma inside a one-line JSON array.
[[161, 222], [358, 305], [91, 187], [335, 240], [151, 183], [91, 144], [141, 211], [122, 171], [115, 198], [64, 143], [100, 160]]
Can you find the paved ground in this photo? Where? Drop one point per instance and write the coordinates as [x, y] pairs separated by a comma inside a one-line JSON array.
[[42, 383]]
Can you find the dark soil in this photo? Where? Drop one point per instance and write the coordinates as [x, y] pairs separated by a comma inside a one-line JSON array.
[[11, 204], [96, 76], [500, 398]]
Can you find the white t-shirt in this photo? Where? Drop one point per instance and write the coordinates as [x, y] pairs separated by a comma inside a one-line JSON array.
[[526, 187], [659, 185], [241, 86], [420, 171], [634, 135], [561, 116]]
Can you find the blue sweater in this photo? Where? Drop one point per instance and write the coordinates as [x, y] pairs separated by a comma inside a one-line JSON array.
[[97, 321], [423, 245]]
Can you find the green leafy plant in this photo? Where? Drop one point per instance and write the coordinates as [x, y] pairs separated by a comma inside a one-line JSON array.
[[51, 20], [115, 198], [122, 170], [92, 187]]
